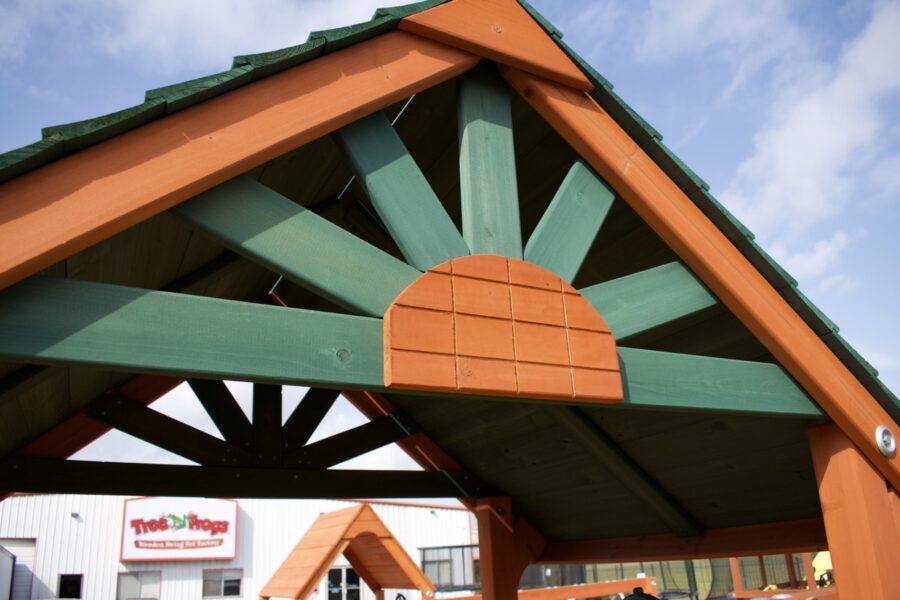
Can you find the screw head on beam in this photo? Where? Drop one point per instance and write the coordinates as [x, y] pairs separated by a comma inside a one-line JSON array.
[[886, 441]]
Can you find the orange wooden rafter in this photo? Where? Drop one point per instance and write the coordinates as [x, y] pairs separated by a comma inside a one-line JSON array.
[[584, 590], [721, 266], [500, 30], [804, 535], [859, 519], [68, 205]]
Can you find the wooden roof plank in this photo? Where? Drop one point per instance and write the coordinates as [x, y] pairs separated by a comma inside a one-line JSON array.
[[562, 238], [46, 320], [78, 200], [716, 261], [267, 228], [401, 195], [487, 165]]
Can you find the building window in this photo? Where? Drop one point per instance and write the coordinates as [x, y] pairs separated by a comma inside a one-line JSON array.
[[222, 583], [139, 585], [70, 586]]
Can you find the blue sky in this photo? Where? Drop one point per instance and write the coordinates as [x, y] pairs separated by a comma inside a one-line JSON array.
[[789, 110]]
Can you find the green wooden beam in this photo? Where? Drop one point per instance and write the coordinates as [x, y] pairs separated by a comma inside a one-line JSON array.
[[596, 442], [644, 300], [38, 475], [267, 446], [170, 434], [273, 231], [306, 417], [223, 409], [60, 321], [349, 444], [400, 193], [487, 165], [565, 233], [666, 380]]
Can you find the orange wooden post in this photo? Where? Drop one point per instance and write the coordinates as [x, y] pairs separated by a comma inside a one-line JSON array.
[[762, 572], [791, 570], [736, 577], [810, 571], [500, 571], [379, 595], [859, 521]]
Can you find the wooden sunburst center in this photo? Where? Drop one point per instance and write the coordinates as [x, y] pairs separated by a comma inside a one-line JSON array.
[[490, 325]]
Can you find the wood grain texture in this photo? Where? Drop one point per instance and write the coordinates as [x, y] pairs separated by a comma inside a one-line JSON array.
[[859, 521], [647, 299], [53, 212], [502, 31], [45, 320], [491, 325], [563, 236], [269, 229], [667, 380], [584, 590], [400, 193], [487, 165], [713, 258]]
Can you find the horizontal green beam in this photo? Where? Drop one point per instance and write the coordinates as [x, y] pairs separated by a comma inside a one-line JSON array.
[[489, 195], [665, 380], [565, 233], [37, 475], [647, 299], [400, 193], [62, 321], [273, 231]]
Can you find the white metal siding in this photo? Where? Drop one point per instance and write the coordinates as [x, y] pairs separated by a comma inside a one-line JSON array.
[[82, 534]]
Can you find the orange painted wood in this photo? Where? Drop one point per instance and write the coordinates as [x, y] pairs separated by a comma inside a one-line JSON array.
[[829, 593], [500, 30], [365, 541], [792, 571], [585, 590], [768, 538], [737, 579], [810, 571], [649, 191], [68, 205], [493, 325], [859, 519], [499, 562]]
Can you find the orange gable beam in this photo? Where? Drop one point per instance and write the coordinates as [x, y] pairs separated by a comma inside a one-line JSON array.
[[721, 266], [49, 214], [500, 30]]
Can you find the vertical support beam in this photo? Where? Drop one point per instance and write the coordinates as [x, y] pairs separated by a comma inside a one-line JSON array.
[[859, 522], [500, 569], [267, 446], [809, 571], [791, 570], [737, 579], [762, 572]]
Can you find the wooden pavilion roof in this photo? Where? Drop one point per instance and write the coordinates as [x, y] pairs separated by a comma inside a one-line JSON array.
[[157, 231]]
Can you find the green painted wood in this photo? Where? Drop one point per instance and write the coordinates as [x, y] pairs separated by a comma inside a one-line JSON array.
[[59, 321], [487, 165], [41, 475], [269, 229], [627, 471], [644, 300], [306, 418], [165, 432], [223, 409], [404, 200], [666, 380], [562, 238]]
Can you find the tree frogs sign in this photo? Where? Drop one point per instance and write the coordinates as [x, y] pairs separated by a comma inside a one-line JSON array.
[[155, 529]]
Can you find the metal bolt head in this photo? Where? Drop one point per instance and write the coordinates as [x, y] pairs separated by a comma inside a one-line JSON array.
[[886, 441]]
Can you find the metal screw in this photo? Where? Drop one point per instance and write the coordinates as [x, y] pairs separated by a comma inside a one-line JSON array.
[[343, 354], [885, 440]]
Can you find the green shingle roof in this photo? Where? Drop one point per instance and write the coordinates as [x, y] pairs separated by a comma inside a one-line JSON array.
[[60, 140]]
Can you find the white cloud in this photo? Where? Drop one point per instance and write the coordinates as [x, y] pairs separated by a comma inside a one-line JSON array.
[[820, 145], [748, 35]]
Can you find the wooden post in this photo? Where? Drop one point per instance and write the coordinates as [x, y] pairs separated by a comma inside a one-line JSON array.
[[791, 570], [736, 578], [379, 594], [762, 572], [500, 571], [810, 571], [859, 524]]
